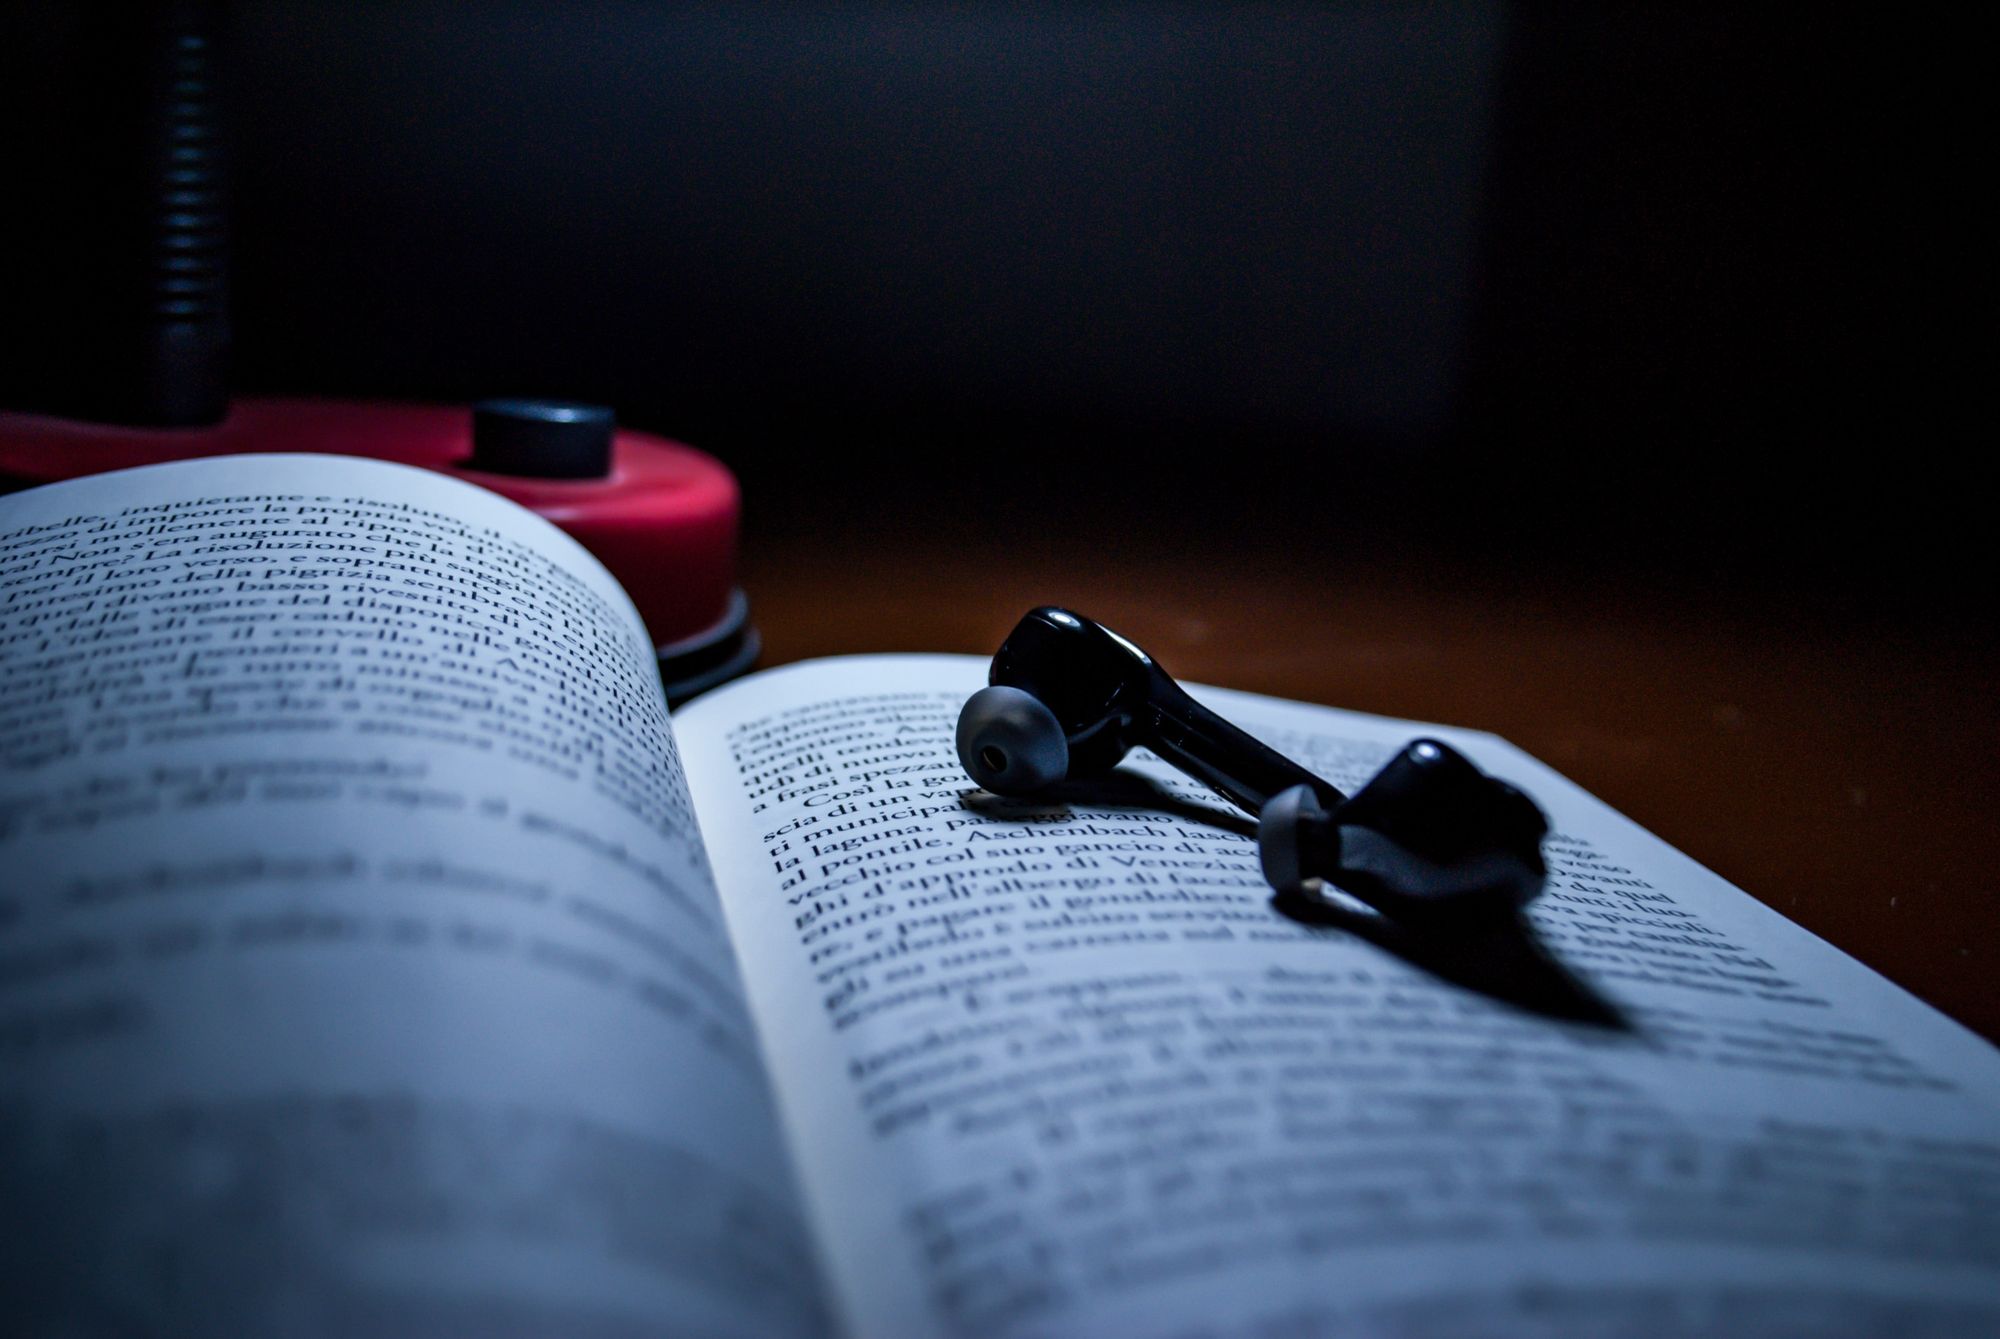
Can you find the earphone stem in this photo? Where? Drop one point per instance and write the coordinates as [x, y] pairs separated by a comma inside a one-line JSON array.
[[1221, 756]]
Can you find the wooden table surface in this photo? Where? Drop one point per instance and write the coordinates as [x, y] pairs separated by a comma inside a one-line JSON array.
[[1834, 764]]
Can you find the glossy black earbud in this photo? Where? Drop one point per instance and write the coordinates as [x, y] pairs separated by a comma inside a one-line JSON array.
[[1429, 832], [1068, 698]]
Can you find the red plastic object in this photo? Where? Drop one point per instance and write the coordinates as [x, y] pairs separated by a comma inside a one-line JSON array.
[[664, 521]]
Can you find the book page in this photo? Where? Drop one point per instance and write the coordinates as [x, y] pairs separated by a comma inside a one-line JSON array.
[[1060, 1069], [361, 971]]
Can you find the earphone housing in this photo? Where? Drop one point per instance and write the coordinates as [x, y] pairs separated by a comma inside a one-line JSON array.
[[1068, 698]]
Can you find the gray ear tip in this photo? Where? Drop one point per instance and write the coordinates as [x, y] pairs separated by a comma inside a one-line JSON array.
[[1009, 742], [1281, 836]]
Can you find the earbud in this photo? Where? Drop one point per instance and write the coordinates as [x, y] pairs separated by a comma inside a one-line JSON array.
[[1068, 698], [1010, 743], [1429, 832]]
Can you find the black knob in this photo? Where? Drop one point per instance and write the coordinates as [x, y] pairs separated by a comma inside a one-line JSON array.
[[543, 439]]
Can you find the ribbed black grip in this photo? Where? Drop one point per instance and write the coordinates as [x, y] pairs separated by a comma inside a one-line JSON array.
[[190, 273], [183, 372]]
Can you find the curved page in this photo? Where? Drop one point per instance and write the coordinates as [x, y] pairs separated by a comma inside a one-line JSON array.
[[1056, 1069], [360, 967]]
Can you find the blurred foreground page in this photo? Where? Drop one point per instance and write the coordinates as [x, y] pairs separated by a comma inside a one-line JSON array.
[[360, 967]]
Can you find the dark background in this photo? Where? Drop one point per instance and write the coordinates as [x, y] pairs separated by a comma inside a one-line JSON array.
[[1688, 287], [1613, 377]]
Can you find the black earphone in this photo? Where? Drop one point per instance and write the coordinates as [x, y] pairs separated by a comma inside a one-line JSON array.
[[1068, 698]]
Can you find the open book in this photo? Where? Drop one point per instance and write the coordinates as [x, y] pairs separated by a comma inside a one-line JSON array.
[[376, 958]]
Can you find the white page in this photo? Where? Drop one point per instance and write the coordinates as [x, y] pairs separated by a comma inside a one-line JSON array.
[[360, 967], [1061, 1070]]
